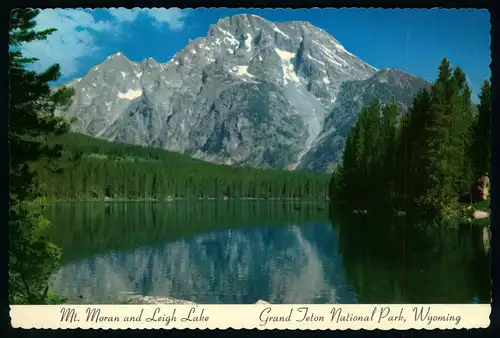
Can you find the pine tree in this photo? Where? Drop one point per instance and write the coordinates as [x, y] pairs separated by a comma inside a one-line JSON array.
[[436, 163], [348, 182], [443, 162], [372, 132], [462, 127], [409, 150], [388, 150], [372, 156], [32, 106], [481, 140]]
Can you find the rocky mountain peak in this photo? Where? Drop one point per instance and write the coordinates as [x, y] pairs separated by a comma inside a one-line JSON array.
[[391, 72], [112, 66], [117, 54], [251, 92], [397, 76], [116, 58], [149, 62]]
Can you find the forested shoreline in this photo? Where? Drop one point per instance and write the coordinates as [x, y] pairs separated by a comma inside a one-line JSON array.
[[95, 169], [421, 162]]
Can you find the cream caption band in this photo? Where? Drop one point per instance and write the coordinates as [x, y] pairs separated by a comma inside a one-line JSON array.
[[308, 317]]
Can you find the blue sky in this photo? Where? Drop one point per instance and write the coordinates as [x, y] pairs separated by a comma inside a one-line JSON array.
[[411, 40]]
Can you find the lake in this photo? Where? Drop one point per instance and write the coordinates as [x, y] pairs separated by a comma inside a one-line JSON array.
[[241, 251]]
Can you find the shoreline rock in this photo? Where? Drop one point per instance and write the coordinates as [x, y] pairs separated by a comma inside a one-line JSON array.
[[479, 214], [486, 239], [156, 300], [167, 300]]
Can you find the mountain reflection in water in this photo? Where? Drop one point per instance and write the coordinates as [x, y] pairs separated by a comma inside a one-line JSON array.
[[239, 252]]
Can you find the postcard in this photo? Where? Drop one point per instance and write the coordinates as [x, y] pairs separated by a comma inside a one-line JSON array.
[[261, 169]]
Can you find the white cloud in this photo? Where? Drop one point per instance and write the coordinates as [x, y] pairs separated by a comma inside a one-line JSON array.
[[72, 39], [76, 29], [173, 17], [123, 14]]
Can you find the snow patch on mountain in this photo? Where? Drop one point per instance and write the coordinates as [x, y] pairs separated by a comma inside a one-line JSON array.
[[277, 30], [248, 42], [243, 70], [228, 37], [287, 66], [309, 56], [131, 94]]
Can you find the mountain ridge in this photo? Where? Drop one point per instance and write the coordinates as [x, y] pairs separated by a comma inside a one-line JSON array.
[[251, 92]]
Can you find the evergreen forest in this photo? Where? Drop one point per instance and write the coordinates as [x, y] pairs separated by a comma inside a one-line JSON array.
[[419, 162], [92, 168]]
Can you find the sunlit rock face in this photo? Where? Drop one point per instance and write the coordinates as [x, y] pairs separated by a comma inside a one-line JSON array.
[[251, 92]]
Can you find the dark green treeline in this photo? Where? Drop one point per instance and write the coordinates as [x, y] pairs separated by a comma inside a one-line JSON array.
[[422, 162], [94, 169]]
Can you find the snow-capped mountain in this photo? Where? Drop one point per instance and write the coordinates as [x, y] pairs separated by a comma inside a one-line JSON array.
[[251, 92]]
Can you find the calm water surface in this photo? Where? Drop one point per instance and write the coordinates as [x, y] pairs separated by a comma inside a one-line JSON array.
[[240, 252]]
